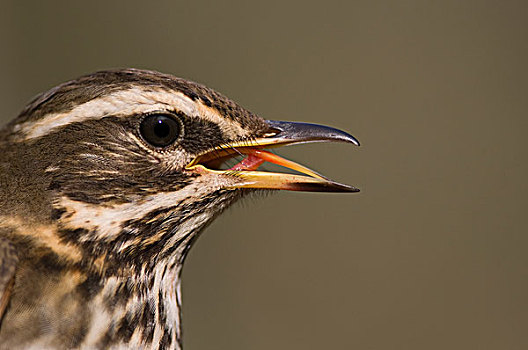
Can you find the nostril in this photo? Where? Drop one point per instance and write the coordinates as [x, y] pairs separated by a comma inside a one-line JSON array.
[[271, 133]]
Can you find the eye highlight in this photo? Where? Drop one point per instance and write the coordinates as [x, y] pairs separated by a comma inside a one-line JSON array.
[[160, 130]]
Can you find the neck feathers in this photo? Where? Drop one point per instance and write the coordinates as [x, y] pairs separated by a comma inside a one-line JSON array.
[[138, 311]]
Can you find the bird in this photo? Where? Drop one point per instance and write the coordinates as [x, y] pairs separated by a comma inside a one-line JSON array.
[[106, 181]]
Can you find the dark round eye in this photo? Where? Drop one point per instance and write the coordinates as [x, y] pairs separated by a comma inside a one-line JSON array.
[[160, 130]]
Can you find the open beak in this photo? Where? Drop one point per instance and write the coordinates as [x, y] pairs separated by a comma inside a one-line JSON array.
[[280, 134]]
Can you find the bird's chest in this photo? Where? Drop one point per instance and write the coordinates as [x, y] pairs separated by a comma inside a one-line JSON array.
[[69, 309]]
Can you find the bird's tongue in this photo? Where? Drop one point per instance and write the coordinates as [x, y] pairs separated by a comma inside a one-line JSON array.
[[256, 157], [251, 162]]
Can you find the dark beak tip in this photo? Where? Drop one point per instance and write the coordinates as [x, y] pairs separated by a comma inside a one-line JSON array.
[[353, 140], [347, 188], [328, 187], [298, 132]]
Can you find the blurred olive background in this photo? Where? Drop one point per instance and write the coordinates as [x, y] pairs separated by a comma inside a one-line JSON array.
[[432, 254]]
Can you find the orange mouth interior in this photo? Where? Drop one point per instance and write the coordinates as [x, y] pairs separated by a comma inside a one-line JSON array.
[[253, 158]]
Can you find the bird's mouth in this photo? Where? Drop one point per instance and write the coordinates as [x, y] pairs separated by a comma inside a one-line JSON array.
[[253, 155]]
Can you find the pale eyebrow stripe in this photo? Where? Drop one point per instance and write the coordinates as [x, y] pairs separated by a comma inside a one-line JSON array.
[[128, 102]]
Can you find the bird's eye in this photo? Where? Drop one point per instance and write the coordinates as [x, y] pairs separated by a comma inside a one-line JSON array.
[[160, 130]]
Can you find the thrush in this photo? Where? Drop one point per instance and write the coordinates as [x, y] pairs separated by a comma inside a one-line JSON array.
[[105, 183]]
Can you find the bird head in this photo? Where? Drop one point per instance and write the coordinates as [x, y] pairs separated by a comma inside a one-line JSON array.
[[127, 166]]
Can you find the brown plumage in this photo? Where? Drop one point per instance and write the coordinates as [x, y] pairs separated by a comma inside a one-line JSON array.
[[105, 182]]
